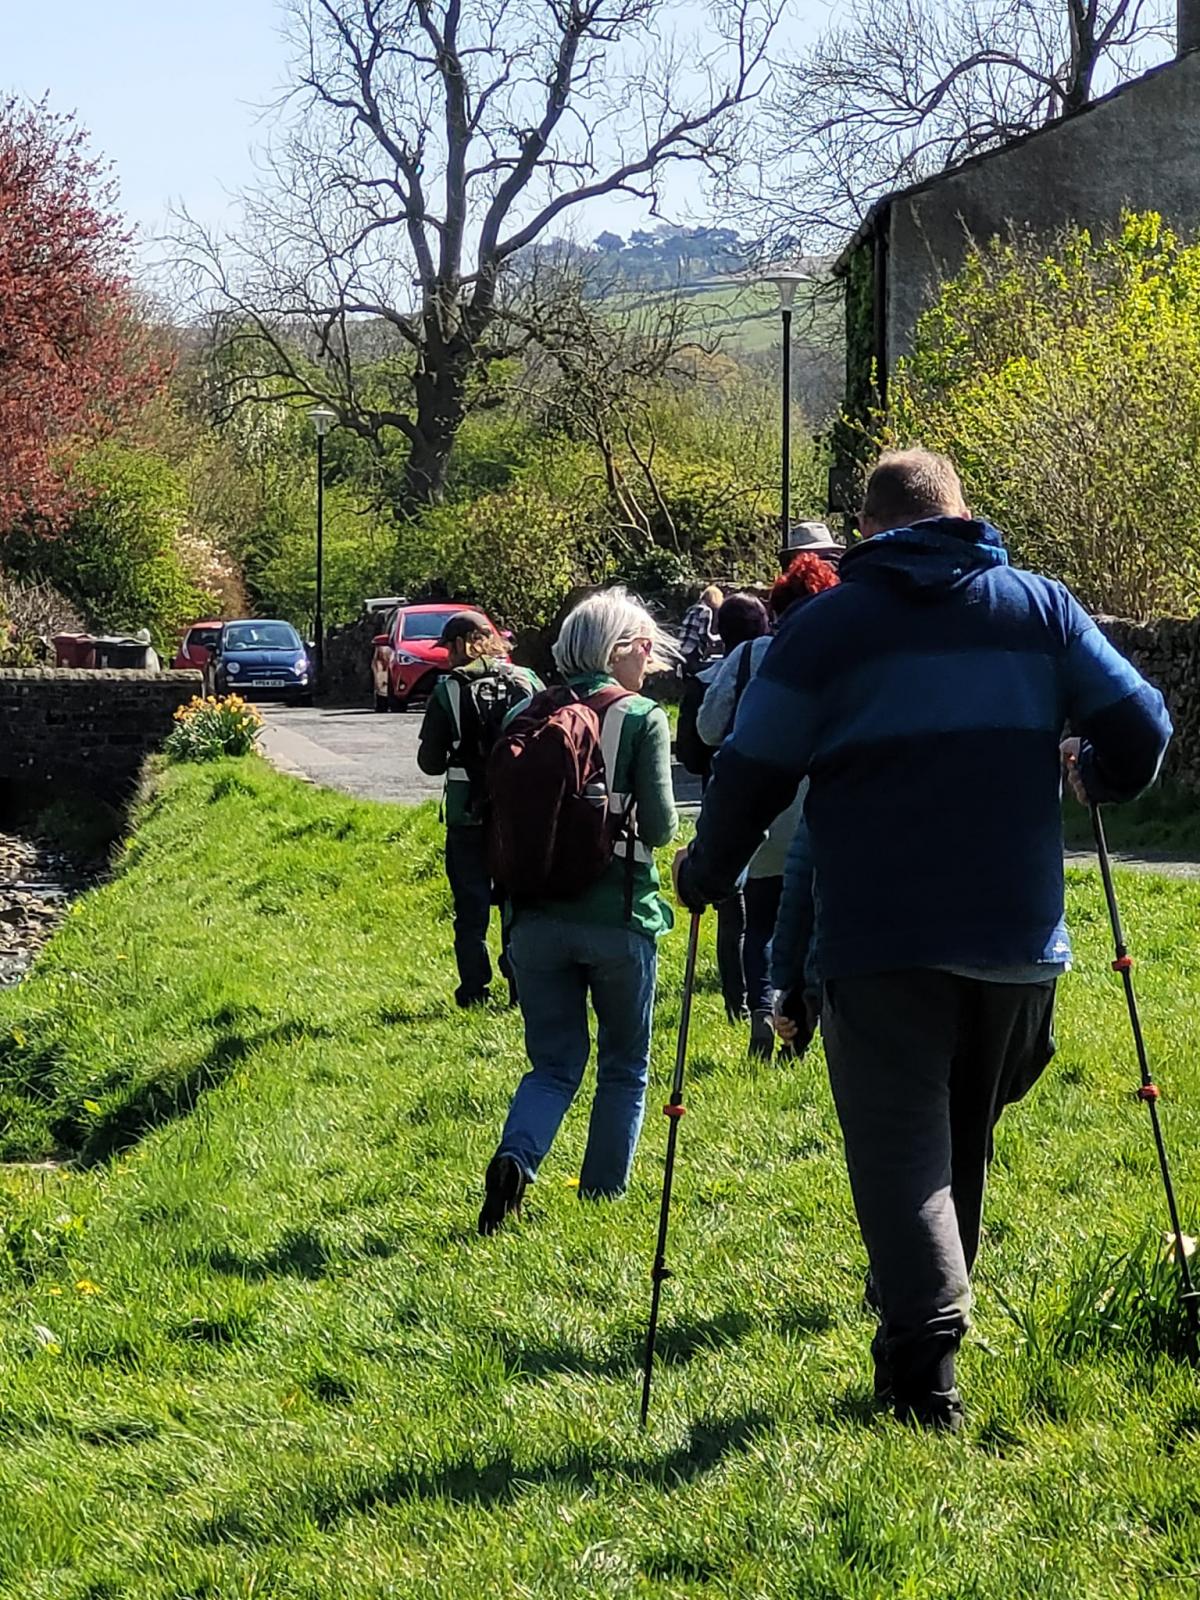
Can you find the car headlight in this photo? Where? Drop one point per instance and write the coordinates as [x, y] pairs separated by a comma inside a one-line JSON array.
[[233, 668], [300, 668], [405, 660]]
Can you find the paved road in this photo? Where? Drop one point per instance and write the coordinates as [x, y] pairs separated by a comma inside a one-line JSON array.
[[368, 753], [374, 756]]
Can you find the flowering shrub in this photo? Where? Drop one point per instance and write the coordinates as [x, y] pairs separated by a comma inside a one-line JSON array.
[[207, 728]]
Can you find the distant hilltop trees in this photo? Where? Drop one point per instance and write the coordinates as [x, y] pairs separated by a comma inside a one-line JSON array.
[[652, 258]]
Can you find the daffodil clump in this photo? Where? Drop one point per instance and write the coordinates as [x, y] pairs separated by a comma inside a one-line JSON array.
[[208, 727]]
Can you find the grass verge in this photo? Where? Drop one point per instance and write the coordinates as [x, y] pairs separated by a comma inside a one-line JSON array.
[[251, 1344], [1165, 821]]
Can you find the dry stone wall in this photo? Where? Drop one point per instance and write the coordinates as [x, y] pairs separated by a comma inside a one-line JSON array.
[[1167, 652], [86, 729]]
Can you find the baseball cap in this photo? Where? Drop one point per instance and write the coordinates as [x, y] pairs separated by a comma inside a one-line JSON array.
[[463, 626]]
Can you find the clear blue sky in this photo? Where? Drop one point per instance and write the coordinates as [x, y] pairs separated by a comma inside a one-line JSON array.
[[167, 89], [171, 93]]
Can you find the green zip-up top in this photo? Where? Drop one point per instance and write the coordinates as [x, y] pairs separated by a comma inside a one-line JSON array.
[[642, 774], [440, 735]]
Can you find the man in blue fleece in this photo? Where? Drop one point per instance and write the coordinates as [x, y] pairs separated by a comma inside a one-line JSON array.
[[925, 698]]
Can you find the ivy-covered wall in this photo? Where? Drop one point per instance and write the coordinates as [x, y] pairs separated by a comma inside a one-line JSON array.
[[851, 431]]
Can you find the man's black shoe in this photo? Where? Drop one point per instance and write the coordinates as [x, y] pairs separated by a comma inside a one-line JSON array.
[[929, 1399], [503, 1186], [467, 999], [884, 1386], [762, 1036], [942, 1413]]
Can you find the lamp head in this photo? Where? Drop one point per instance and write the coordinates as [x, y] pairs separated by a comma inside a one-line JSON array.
[[787, 280], [322, 419]]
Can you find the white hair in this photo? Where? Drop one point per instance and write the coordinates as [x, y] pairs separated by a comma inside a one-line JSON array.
[[602, 629]]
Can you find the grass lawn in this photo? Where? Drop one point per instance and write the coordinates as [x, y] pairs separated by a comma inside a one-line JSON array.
[[251, 1345]]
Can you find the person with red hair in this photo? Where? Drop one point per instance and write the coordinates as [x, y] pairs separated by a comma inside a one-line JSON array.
[[806, 576]]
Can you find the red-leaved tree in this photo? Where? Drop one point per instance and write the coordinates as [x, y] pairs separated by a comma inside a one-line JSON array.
[[75, 361]]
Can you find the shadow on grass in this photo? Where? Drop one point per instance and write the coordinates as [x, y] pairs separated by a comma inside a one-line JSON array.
[[406, 1016], [499, 1481], [300, 1253], [151, 1104], [678, 1343]]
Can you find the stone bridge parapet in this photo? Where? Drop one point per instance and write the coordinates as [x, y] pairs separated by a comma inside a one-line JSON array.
[[88, 730]]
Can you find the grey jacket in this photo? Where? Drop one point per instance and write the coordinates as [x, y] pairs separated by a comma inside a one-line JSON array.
[[713, 723]]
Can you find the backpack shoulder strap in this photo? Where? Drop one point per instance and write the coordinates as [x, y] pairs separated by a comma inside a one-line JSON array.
[[745, 668]]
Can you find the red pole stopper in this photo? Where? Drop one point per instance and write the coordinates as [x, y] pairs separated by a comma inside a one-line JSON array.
[[1123, 964], [673, 1111], [1148, 1091]]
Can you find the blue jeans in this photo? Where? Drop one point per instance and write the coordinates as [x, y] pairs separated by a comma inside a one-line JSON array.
[[559, 965], [474, 896]]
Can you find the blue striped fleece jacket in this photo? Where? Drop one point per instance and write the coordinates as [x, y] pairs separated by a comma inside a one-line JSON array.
[[925, 698]]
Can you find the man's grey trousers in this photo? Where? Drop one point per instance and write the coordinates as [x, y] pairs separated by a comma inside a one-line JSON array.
[[922, 1063]]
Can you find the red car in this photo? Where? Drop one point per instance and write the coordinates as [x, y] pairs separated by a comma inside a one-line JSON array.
[[198, 647], [408, 659]]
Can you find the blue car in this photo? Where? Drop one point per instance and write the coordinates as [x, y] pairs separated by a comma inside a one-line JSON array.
[[263, 658]]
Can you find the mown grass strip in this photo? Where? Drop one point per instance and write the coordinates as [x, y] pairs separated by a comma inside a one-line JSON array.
[[250, 1342]]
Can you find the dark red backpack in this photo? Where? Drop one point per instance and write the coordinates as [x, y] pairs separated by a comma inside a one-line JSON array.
[[551, 834]]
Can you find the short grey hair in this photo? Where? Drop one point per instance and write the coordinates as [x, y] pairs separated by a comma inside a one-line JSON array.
[[603, 628]]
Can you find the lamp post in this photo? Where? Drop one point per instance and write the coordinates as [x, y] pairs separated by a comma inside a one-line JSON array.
[[322, 419], [786, 281]]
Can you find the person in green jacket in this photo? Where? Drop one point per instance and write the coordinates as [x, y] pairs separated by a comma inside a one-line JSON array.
[[462, 720], [601, 946]]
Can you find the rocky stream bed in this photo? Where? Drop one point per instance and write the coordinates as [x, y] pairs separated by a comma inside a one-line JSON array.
[[37, 883]]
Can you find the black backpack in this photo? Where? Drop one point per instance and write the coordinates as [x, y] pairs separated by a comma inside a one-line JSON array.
[[690, 749], [483, 702]]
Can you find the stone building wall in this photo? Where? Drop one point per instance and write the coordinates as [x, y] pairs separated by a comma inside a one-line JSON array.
[[1167, 652], [89, 730], [1138, 147]]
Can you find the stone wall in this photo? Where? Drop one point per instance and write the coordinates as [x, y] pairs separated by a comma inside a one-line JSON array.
[[348, 654], [1168, 654], [88, 730]]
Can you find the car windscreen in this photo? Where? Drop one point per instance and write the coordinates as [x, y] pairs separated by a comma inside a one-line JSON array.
[[260, 636], [205, 638], [425, 624]]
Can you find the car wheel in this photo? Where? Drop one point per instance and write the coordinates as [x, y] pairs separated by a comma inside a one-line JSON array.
[[420, 692]]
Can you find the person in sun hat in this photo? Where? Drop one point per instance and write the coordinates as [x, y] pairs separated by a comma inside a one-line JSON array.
[[812, 538]]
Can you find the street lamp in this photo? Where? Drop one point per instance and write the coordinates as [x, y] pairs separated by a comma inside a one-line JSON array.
[[787, 280], [322, 419]]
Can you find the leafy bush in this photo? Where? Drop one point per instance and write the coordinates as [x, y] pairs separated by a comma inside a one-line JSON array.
[[119, 558], [359, 552], [516, 552], [1066, 385], [207, 728]]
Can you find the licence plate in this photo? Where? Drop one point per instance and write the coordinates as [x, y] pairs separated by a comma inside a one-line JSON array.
[[264, 683]]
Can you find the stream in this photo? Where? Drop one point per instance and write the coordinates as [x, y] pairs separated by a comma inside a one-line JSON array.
[[37, 883]]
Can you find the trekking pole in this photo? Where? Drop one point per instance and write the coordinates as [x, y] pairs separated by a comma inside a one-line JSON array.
[[673, 1110], [1188, 1295]]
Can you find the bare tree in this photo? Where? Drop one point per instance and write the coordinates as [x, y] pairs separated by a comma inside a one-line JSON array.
[[596, 360], [427, 144], [901, 89]]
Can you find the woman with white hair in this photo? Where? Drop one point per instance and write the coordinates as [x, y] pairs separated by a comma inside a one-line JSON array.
[[602, 944]]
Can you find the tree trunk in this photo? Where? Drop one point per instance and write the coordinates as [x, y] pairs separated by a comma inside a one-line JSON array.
[[439, 392], [1085, 55]]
